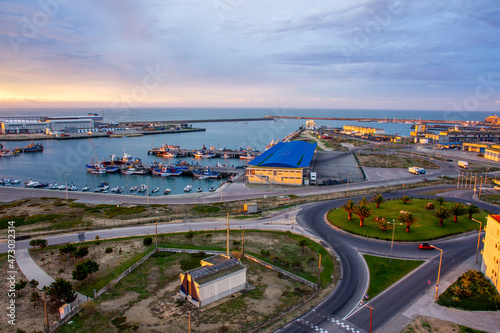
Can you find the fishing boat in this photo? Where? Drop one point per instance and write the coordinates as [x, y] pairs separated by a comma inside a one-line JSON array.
[[156, 189], [133, 188], [211, 189], [8, 153], [204, 174], [120, 189], [226, 155], [40, 185], [202, 177], [33, 147], [31, 183], [167, 191], [53, 186], [142, 188], [247, 156], [200, 189], [61, 187], [73, 187], [112, 169], [114, 189], [188, 188], [85, 188], [168, 155]]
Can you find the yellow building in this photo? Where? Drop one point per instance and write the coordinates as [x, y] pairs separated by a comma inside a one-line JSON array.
[[363, 130], [283, 163], [491, 251], [492, 154]]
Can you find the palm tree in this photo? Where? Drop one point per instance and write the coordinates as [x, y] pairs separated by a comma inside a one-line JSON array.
[[349, 207], [363, 212], [363, 202], [471, 210], [381, 221], [406, 199], [408, 218], [440, 200], [378, 199], [442, 213], [456, 210]]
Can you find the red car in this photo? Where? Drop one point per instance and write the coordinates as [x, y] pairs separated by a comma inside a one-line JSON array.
[[425, 246]]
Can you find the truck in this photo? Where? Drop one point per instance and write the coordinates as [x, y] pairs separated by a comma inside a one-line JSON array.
[[414, 170], [312, 178], [463, 164]]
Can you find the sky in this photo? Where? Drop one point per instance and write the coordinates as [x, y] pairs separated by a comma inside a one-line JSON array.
[[357, 54]]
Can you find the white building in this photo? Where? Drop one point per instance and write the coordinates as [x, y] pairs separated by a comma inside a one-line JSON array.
[[218, 277]]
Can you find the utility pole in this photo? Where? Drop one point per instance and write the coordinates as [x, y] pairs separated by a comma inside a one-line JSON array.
[[458, 183], [242, 241], [46, 315], [227, 251]]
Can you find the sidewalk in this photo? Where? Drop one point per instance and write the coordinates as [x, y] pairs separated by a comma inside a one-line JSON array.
[[488, 321], [32, 271]]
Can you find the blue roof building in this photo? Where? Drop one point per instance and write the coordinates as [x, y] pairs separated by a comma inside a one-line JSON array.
[[283, 163]]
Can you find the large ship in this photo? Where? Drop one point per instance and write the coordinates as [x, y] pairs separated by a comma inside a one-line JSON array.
[[33, 147]]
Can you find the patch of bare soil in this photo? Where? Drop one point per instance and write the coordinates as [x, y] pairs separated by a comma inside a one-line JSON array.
[[56, 265], [424, 324]]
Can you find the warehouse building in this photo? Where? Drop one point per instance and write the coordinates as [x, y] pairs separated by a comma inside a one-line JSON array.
[[283, 163], [491, 251], [218, 277]]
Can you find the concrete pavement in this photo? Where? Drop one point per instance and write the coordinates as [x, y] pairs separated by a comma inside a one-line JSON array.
[[31, 270]]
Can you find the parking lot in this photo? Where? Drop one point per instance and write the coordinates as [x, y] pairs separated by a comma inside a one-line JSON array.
[[335, 167]]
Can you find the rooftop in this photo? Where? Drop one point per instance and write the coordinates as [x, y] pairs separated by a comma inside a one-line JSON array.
[[295, 154], [216, 259], [205, 274]]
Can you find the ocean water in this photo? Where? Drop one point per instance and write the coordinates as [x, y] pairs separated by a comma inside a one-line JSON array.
[[64, 160]]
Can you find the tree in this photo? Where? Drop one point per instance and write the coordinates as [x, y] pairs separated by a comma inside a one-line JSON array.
[[440, 200], [80, 272], [35, 298], [311, 261], [190, 234], [91, 266], [349, 208], [81, 252], [147, 241], [408, 218], [382, 222], [471, 210], [43, 244], [302, 243], [362, 212], [406, 199], [457, 210], [33, 284], [61, 291], [442, 213], [34, 243], [67, 249], [378, 199], [20, 286], [363, 202]]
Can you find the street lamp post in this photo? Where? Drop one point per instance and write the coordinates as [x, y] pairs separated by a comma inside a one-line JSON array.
[[480, 186], [371, 316], [348, 184], [147, 190], [439, 270], [393, 230], [478, 237], [66, 185]]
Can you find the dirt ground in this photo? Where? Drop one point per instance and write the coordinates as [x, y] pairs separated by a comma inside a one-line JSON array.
[[158, 307], [394, 161], [431, 325]]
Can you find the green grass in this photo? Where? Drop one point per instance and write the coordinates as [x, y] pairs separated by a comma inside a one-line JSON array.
[[113, 211], [384, 273], [88, 286], [205, 209], [285, 254], [426, 228], [472, 292]]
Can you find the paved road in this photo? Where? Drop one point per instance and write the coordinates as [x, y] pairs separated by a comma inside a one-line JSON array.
[[354, 283]]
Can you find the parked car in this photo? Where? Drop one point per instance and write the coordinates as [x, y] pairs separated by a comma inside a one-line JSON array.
[[425, 246]]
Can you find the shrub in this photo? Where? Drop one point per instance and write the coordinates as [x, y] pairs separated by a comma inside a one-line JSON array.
[[429, 206], [147, 241], [108, 250]]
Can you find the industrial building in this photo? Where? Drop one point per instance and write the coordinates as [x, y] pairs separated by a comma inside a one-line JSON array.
[[42, 124], [491, 251], [283, 163], [363, 130], [218, 277]]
